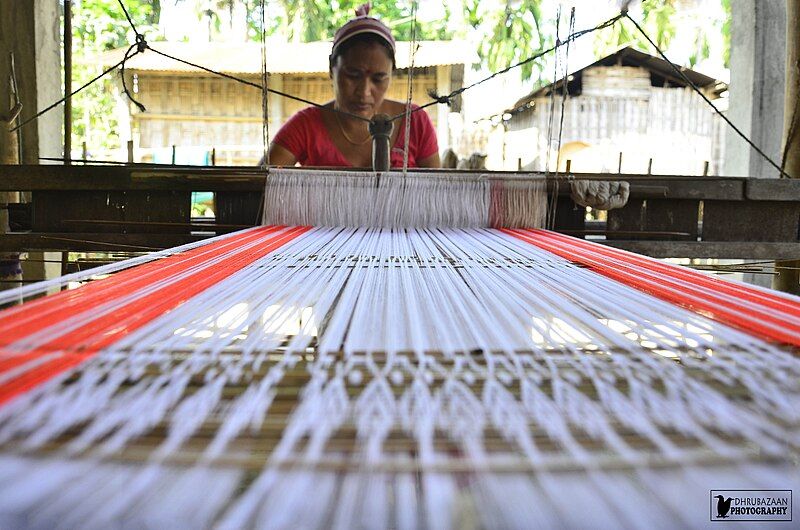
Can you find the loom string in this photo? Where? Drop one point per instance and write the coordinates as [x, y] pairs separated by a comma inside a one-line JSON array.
[[412, 54]]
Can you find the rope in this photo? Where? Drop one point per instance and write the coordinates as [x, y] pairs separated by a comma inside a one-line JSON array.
[[256, 85], [125, 82], [446, 99], [130, 20], [265, 86], [413, 54], [694, 87], [65, 98], [564, 94], [141, 45]]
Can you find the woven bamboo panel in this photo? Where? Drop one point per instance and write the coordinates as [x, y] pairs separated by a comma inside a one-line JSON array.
[[206, 111]]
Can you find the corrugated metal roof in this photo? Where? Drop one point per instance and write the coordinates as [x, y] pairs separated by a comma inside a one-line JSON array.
[[282, 57]]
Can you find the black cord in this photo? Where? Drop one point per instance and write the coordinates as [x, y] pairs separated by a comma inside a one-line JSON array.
[[141, 45], [130, 20], [696, 89], [256, 85], [65, 98], [128, 55], [451, 95]]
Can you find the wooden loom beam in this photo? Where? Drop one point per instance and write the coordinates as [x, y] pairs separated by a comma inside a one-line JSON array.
[[145, 206]]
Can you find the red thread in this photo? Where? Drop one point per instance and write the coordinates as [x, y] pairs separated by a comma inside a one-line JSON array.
[[757, 312], [105, 328]]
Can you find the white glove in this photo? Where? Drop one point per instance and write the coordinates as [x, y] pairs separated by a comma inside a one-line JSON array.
[[600, 194]]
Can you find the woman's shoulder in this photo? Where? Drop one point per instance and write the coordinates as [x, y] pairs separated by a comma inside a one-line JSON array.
[[303, 121], [309, 113], [393, 107]]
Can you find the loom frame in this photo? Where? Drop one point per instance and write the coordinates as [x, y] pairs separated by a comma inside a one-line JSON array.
[[124, 207]]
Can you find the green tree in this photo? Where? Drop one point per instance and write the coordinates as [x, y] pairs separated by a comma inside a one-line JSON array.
[[313, 20], [99, 26], [658, 20], [509, 33], [726, 33]]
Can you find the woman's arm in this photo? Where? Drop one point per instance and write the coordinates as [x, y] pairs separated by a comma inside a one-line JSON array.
[[279, 156], [431, 161]]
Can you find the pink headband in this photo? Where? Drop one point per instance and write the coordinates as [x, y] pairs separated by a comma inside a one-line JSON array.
[[362, 23]]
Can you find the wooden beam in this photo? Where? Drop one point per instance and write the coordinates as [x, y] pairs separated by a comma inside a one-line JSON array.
[[93, 242], [710, 249], [240, 178], [772, 189]]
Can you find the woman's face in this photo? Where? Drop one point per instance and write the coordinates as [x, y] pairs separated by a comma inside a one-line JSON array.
[[361, 77]]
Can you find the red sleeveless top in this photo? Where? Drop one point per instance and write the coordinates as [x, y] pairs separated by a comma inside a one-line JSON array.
[[306, 137]]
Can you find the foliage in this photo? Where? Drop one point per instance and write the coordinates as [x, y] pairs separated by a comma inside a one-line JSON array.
[[99, 26], [726, 33], [312, 20], [661, 20], [658, 20], [511, 33], [511, 30]]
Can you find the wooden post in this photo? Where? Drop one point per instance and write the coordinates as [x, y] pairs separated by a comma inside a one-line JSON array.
[[650, 167], [213, 156], [174, 151], [67, 81], [9, 154], [84, 151], [705, 168], [788, 277], [130, 152], [619, 165], [64, 262], [569, 166]]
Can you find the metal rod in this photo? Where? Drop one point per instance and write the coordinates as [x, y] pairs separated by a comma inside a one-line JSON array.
[[67, 81]]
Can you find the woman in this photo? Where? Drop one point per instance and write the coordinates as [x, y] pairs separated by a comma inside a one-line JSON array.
[[361, 66]]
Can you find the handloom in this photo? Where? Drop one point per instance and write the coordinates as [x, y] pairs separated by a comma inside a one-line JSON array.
[[393, 351]]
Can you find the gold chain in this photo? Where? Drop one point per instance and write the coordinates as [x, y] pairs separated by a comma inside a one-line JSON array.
[[346, 136]]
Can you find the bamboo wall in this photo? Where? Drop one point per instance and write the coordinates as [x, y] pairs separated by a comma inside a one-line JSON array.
[[200, 112], [673, 126]]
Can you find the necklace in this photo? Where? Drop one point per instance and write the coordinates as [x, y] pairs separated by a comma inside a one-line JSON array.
[[347, 136]]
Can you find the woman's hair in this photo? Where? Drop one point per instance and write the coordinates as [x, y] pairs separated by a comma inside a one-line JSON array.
[[363, 38]]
